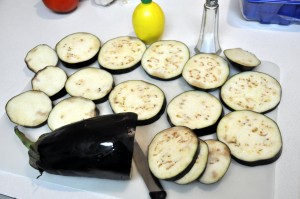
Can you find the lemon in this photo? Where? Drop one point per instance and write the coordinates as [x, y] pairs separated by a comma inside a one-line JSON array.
[[148, 21]]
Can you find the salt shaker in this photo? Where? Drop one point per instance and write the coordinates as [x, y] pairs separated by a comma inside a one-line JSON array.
[[209, 35]]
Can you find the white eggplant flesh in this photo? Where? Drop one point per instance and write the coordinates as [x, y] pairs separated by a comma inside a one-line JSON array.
[[241, 58], [145, 99], [251, 90], [91, 83], [78, 49], [253, 138], [165, 59], [121, 54], [219, 160], [198, 110], [40, 57], [51, 80], [172, 152], [70, 110], [206, 71], [29, 109]]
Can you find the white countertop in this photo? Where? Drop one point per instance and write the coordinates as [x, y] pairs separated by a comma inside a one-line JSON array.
[[25, 24]]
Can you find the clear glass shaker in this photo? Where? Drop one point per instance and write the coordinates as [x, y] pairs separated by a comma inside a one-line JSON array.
[[209, 33]]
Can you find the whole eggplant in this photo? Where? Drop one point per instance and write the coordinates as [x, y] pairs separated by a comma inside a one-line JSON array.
[[100, 147]]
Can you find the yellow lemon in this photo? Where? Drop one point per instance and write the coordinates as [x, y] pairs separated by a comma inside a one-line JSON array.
[[148, 21]]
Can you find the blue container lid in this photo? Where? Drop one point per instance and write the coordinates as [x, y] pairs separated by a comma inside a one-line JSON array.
[[283, 12], [275, 1]]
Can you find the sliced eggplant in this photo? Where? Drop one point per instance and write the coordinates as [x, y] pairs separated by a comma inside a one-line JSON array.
[[251, 90], [121, 54], [172, 153], [91, 83], [146, 100], [253, 138], [198, 110], [206, 71], [70, 110], [199, 165], [78, 49], [41, 56], [241, 58], [29, 109], [164, 60], [219, 159], [51, 80]]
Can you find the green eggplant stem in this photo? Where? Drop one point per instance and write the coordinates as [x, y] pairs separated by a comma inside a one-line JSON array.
[[23, 138]]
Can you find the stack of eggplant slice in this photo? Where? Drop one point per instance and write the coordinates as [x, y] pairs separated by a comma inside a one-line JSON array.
[[177, 154], [199, 166], [180, 153]]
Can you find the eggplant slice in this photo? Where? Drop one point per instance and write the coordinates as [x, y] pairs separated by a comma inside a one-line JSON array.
[[40, 57], [121, 54], [206, 71], [70, 110], [78, 49], [91, 83], [172, 153], [146, 100], [198, 110], [198, 167], [251, 90], [164, 60], [253, 138], [51, 80], [219, 160], [242, 59], [29, 109]]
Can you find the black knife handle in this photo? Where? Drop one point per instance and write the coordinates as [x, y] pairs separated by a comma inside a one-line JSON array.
[[158, 194]]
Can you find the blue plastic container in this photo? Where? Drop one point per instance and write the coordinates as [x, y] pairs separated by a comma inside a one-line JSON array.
[[271, 11]]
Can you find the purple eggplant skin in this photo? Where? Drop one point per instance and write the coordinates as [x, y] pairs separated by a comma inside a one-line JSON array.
[[99, 147]]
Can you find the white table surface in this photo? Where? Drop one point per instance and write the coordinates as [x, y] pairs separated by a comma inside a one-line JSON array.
[[25, 24]]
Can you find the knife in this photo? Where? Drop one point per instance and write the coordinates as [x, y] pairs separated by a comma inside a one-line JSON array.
[[156, 190]]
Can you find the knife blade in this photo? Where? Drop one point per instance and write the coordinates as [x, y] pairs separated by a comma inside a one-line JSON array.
[[156, 190]]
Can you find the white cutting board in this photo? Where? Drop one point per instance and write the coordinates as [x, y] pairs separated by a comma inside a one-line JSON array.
[[239, 182]]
